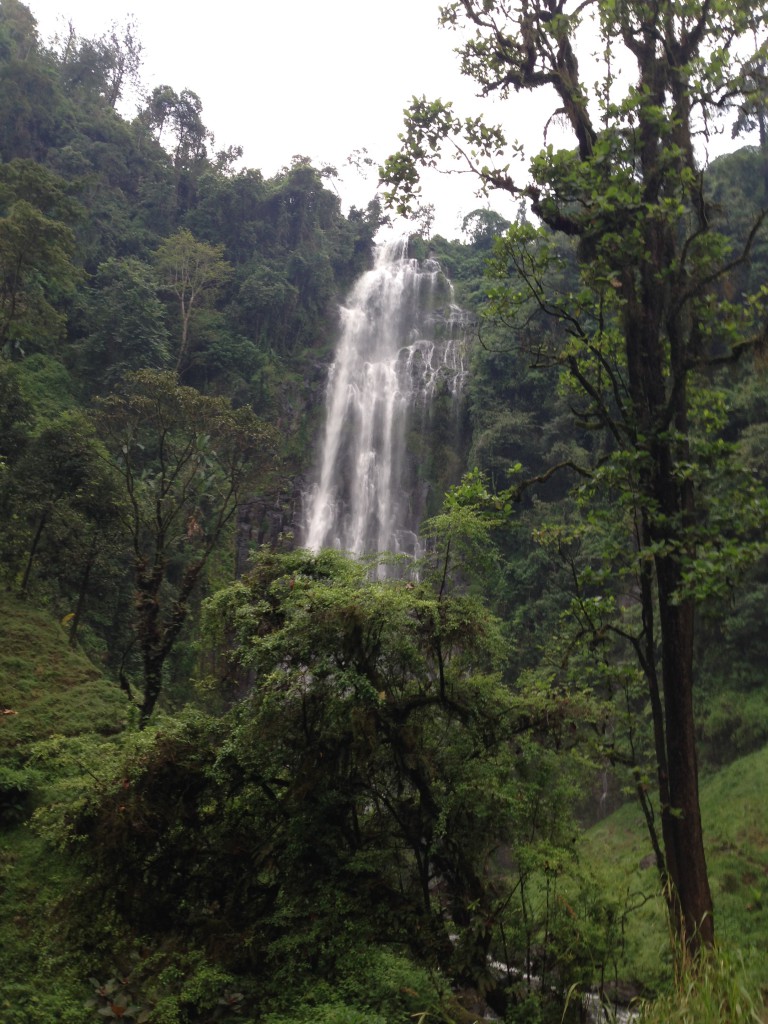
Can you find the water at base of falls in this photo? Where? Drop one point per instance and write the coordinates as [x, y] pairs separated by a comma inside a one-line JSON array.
[[401, 346]]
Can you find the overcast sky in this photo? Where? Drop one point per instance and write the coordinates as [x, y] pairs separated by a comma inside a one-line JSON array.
[[321, 78], [317, 78]]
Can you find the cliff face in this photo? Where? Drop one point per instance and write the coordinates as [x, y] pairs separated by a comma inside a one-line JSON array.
[[375, 434]]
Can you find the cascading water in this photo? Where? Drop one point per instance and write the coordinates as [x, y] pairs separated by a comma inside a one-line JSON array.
[[401, 346]]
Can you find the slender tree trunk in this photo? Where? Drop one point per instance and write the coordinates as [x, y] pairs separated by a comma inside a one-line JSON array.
[[81, 595], [158, 634], [33, 551]]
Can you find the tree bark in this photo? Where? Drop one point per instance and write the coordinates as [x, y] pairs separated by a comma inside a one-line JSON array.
[[690, 897]]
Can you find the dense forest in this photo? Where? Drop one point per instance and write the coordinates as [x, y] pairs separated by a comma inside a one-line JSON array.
[[519, 777]]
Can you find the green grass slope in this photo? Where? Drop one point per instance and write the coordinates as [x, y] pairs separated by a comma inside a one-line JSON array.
[[47, 691], [735, 816], [46, 687]]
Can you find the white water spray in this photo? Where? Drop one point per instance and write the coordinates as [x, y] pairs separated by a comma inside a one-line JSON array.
[[402, 343]]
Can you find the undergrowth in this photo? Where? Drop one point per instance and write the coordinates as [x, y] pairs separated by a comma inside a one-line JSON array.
[[718, 989]]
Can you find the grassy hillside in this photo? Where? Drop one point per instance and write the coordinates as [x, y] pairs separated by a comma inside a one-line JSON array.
[[46, 688], [47, 691], [736, 835]]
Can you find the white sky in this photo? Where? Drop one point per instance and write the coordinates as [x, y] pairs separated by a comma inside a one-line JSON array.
[[321, 78]]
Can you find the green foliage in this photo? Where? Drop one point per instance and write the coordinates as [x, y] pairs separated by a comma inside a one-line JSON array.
[[393, 790], [35, 114], [63, 499], [373, 985], [48, 387], [168, 987], [15, 416], [372, 774], [18, 788], [127, 330], [55, 999], [36, 274], [184, 461]]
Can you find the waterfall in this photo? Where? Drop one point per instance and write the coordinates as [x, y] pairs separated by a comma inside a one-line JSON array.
[[401, 347]]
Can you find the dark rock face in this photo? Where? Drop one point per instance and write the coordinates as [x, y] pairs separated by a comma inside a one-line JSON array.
[[265, 521]]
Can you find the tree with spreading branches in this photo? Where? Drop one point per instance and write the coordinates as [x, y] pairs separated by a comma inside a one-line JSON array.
[[185, 461], [640, 328]]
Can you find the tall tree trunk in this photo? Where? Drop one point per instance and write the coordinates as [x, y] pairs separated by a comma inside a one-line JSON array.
[[658, 341], [153, 683], [690, 895], [672, 501]]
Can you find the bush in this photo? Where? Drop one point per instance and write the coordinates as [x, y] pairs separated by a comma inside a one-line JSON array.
[[17, 790]]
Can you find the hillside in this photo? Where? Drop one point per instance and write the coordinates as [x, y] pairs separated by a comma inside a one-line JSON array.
[[54, 701], [57, 693], [736, 840], [47, 688], [249, 774]]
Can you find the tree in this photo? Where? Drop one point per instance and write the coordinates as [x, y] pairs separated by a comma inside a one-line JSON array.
[[36, 250], [103, 65], [61, 488], [193, 271], [18, 31], [482, 226], [424, 216], [375, 772], [180, 114], [185, 461], [387, 745], [645, 321], [126, 320]]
